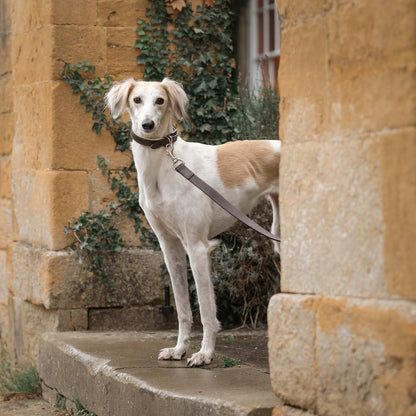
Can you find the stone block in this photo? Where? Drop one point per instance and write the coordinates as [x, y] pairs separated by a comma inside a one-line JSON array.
[[293, 372], [121, 13], [303, 107], [45, 201], [282, 410], [73, 319], [121, 53], [366, 357], [398, 159], [59, 281], [4, 293], [75, 144], [141, 318], [32, 56], [39, 54], [5, 177], [6, 93], [6, 133], [364, 60], [5, 223], [5, 53], [28, 16], [78, 44], [332, 218], [33, 125], [296, 12], [27, 323], [74, 12]]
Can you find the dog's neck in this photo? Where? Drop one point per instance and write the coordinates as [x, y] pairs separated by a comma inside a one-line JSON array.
[[156, 144]]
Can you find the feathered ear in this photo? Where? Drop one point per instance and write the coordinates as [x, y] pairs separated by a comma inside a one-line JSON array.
[[177, 98], [116, 98]]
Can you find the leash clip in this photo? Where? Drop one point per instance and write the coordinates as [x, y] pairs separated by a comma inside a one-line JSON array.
[[169, 150]]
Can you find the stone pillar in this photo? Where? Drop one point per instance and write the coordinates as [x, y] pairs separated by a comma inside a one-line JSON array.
[[343, 331], [49, 172]]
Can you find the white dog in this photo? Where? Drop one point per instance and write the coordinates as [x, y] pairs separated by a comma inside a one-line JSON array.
[[184, 219]]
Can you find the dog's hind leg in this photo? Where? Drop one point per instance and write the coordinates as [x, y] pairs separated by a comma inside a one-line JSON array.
[[175, 259], [199, 257], [274, 199]]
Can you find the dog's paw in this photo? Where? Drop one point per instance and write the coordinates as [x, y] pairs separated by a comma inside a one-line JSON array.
[[171, 354], [199, 359]]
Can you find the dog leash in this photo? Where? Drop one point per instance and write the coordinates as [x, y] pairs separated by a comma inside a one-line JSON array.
[[187, 173], [179, 165]]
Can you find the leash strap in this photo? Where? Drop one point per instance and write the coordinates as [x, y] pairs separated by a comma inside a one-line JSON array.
[[220, 200]]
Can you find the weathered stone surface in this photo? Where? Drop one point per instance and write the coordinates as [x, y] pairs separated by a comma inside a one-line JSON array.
[[120, 13], [362, 61], [76, 146], [366, 357], [4, 293], [32, 146], [293, 371], [74, 12], [58, 280], [6, 93], [5, 223], [5, 177], [282, 410], [119, 374], [348, 355], [49, 201], [78, 44], [27, 323], [28, 16], [332, 219], [139, 318], [6, 133], [398, 156], [121, 53], [304, 92], [32, 56], [295, 11]]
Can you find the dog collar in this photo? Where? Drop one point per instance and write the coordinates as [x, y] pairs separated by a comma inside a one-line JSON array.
[[156, 144]]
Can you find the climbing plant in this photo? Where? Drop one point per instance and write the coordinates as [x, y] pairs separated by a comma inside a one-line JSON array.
[[194, 47]]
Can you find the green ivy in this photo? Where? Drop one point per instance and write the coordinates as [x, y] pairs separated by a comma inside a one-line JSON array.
[[202, 59]]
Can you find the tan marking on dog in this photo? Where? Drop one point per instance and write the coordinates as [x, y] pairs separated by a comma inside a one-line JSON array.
[[240, 161]]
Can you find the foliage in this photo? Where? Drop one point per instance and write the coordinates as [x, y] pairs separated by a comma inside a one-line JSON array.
[[202, 59], [229, 362], [17, 380]]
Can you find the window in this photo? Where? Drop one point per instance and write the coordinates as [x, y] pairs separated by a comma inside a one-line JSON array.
[[259, 43]]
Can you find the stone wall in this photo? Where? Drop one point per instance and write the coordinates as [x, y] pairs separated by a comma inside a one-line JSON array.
[[343, 332], [49, 174]]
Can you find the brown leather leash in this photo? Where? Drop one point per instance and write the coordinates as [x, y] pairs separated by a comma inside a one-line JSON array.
[[179, 165]]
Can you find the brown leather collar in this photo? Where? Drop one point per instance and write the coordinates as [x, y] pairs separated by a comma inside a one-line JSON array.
[[156, 144]]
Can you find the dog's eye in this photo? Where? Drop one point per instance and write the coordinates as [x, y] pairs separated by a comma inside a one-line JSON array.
[[137, 100], [160, 101]]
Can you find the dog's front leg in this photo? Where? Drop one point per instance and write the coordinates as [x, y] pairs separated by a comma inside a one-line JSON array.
[[199, 257], [175, 259]]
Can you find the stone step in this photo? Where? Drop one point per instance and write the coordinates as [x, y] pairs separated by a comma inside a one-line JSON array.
[[118, 374]]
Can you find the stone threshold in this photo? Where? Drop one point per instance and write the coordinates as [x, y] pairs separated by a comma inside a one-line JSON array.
[[117, 373]]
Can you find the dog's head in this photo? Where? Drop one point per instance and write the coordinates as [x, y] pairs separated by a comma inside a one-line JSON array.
[[152, 106]]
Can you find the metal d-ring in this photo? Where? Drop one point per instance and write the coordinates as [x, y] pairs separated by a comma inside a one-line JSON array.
[[169, 150]]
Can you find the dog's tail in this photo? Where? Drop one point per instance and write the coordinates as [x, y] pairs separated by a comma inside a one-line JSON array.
[[274, 200]]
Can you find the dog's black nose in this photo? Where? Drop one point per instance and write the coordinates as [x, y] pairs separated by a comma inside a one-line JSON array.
[[148, 125]]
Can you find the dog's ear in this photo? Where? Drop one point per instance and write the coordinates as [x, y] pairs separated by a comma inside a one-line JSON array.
[[116, 98], [177, 98]]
